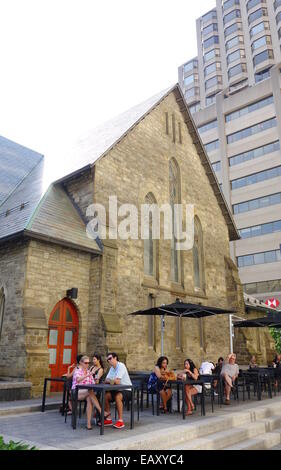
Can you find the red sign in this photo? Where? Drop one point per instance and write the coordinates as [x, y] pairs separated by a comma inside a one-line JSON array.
[[273, 303]]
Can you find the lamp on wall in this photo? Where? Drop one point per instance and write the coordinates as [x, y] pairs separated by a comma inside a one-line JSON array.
[[72, 293]]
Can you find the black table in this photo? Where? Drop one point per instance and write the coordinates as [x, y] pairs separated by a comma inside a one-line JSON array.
[[103, 388], [55, 379], [180, 384]]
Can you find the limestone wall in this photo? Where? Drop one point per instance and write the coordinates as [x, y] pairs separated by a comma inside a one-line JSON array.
[[51, 270], [12, 277], [137, 166]]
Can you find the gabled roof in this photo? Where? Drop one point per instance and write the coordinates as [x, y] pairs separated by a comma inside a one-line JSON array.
[[56, 219], [27, 211], [98, 142], [16, 162], [19, 206]]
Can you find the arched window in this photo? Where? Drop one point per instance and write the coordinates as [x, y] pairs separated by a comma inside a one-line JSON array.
[[150, 245], [174, 188], [2, 308], [198, 261]]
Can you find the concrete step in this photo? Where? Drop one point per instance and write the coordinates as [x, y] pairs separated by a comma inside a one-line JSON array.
[[264, 442], [15, 410], [220, 440], [224, 430]]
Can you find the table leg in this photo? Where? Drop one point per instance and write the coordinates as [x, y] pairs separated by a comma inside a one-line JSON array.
[[74, 408], [203, 399], [183, 401], [269, 387], [102, 412], [132, 409], [63, 398], [178, 398], [138, 403], [44, 395]]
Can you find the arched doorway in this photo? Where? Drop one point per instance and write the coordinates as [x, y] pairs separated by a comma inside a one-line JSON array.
[[62, 339]]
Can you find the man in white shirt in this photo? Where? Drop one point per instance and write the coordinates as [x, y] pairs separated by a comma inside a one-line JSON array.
[[206, 368], [117, 375]]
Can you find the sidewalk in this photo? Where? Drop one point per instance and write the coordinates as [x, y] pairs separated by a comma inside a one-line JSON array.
[[49, 431]]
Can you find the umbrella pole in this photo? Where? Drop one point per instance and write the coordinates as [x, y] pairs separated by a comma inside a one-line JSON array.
[[162, 334], [231, 333]]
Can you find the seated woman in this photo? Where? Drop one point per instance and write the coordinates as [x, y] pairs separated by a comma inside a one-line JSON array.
[[190, 372], [97, 369], [253, 363], [82, 376], [277, 361], [69, 375], [229, 372], [158, 380]]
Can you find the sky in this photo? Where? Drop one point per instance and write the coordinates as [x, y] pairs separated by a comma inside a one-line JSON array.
[[68, 65]]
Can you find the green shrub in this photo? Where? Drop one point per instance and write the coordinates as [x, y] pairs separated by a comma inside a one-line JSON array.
[[14, 445], [276, 334]]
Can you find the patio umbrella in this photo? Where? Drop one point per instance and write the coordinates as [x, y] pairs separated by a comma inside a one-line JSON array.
[[271, 320], [181, 310]]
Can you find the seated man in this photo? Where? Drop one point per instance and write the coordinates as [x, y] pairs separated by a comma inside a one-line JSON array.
[[206, 368], [117, 375]]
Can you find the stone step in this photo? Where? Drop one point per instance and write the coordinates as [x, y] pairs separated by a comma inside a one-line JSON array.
[[250, 423], [264, 442], [15, 410], [220, 440]]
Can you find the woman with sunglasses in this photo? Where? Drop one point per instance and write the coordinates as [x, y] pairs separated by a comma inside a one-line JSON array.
[[82, 376], [97, 368]]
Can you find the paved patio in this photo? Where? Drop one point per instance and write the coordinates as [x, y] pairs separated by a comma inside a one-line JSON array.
[[49, 431]]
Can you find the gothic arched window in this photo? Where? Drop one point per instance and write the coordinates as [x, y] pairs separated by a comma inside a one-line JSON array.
[[150, 244], [174, 189], [198, 260]]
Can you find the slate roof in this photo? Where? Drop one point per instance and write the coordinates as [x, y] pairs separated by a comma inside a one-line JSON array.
[[26, 210], [16, 162], [57, 219], [13, 216], [97, 143]]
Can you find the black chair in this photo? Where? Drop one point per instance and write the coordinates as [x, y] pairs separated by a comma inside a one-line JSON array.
[[201, 395], [210, 390], [80, 402]]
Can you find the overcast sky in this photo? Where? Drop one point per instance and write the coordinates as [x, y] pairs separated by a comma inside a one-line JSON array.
[[68, 65]]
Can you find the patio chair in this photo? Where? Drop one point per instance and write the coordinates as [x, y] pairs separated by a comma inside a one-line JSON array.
[[210, 390], [80, 403]]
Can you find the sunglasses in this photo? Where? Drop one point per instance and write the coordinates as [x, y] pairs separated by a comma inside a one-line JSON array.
[[87, 362], [109, 358]]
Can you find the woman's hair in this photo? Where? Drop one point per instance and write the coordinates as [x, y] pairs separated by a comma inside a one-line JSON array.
[[83, 358], [160, 360], [78, 358], [220, 359], [98, 356], [191, 363]]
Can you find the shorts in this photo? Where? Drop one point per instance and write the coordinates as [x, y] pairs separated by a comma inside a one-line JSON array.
[[127, 395]]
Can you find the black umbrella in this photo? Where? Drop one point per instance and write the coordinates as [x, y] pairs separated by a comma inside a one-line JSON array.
[[181, 310], [272, 320]]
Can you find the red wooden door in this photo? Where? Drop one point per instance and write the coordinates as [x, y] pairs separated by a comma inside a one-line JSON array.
[[62, 339]]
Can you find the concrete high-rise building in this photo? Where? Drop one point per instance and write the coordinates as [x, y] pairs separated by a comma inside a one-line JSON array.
[[233, 91]]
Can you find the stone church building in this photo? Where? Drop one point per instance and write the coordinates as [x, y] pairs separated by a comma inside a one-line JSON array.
[[150, 154]]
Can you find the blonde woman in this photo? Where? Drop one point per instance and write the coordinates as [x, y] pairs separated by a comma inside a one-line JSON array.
[[82, 376], [229, 373]]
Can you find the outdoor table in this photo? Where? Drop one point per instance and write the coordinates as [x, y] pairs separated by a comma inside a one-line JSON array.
[[54, 379], [181, 385], [103, 388]]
